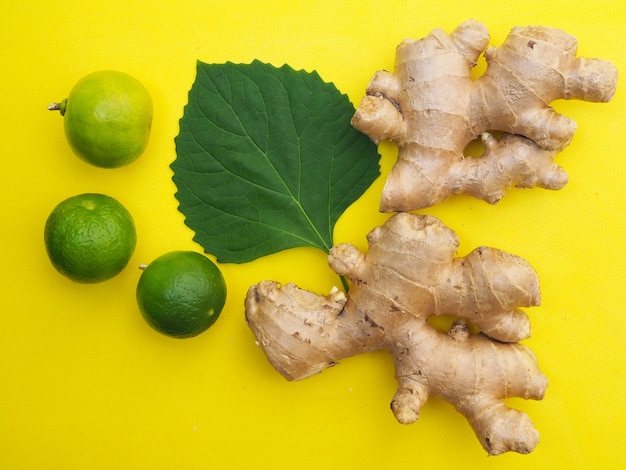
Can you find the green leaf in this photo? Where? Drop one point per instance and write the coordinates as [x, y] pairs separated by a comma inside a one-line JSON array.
[[267, 160]]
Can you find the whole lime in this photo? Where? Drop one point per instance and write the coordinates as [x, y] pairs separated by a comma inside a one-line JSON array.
[[107, 118], [90, 237], [181, 293]]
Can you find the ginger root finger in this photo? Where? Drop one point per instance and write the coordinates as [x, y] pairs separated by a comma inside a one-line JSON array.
[[411, 263], [379, 118], [298, 330], [473, 374], [533, 67], [502, 429]]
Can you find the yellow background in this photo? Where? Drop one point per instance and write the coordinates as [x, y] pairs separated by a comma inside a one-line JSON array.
[[86, 384]]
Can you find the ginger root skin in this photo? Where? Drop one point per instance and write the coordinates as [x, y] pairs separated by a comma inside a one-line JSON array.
[[409, 274], [432, 108]]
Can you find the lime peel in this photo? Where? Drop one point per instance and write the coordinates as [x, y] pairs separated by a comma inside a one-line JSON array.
[[90, 237], [107, 118], [181, 293]]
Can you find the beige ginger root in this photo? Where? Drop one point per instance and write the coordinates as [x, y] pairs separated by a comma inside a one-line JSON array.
[[408, 274], [432, 108]]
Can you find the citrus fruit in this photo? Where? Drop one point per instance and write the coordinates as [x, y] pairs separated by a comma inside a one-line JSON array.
[[107, 118], [90, 237], [181, 293]]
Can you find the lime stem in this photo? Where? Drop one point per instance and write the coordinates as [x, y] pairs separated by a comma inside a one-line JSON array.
[[58, 106], [143, 266]]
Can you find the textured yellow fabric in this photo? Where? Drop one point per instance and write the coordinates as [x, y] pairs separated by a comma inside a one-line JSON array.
[[85, 383]]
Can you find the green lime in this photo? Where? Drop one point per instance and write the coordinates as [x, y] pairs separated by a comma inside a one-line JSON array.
[[107, 118], [181, 293], [90, 237]]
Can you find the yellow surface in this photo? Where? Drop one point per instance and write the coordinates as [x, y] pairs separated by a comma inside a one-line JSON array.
[[85, 384]]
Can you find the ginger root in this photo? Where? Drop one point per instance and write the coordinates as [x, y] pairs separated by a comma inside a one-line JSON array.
[[408, 274], [432, 108]]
